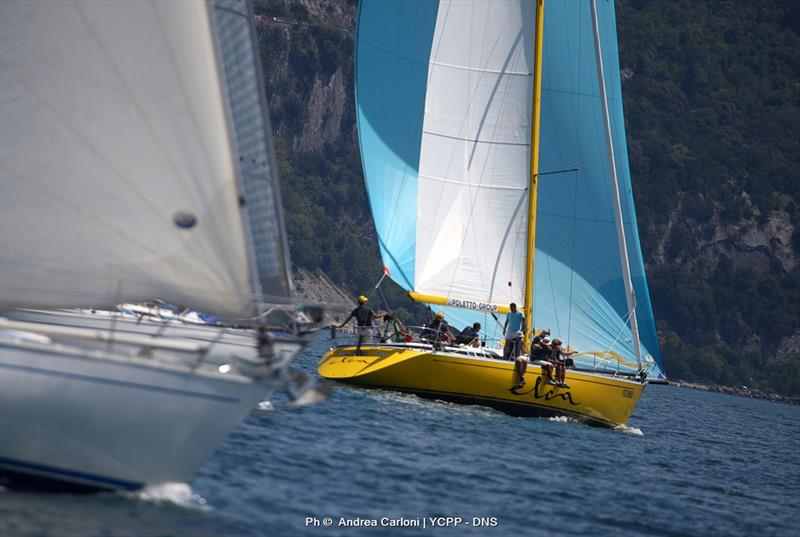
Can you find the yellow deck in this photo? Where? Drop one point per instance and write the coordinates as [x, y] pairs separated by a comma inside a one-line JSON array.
[[595, 398]]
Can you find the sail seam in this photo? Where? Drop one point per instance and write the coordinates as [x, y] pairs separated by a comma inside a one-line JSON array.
[[473, 140], [475, 185], [481, 69]]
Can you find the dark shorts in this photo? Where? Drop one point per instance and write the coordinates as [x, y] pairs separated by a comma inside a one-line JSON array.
[[512, 348]]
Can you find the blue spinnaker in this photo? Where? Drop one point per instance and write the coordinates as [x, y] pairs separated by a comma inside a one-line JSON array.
[[578, 288]]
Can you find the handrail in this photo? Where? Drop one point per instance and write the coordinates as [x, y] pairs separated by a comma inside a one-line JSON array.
[[154, 342]]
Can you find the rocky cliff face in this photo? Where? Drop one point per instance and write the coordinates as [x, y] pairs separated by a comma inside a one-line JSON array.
[[309, 97], [315, 286]]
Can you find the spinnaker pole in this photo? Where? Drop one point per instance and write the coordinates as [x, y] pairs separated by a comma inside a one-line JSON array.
[[623, 246], [527, 307]]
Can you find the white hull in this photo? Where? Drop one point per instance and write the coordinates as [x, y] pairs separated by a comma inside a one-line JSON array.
[[227, 342], [110, 419]]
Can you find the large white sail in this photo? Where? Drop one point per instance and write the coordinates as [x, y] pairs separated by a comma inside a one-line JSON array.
[[474, 161], [119, 172]]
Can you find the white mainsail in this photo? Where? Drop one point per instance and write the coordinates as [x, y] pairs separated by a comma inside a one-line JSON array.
[[118, 167], [473, 174]]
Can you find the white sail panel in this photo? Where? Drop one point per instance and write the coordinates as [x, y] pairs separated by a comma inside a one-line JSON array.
[[475, 153], [117, 177]]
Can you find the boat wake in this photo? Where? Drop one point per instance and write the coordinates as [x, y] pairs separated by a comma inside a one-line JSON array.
[[564, 419], [266, 406], [180, 494], [626, 429]]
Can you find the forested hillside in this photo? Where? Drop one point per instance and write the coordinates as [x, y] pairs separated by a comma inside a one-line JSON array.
[[711, 94]]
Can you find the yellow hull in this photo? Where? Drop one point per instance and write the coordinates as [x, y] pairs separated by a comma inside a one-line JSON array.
[[591, 397]]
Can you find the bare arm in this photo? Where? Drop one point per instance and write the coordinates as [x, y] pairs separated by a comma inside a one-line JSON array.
[[345, 321]]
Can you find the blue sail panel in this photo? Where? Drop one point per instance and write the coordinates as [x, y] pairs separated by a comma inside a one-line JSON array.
[[578, 289], [393, 50]]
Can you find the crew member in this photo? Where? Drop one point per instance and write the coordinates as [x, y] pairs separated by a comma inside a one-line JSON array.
[[540, 352], [438, 331], [363, 317], [514, 329], [470, 335], [558, 359]]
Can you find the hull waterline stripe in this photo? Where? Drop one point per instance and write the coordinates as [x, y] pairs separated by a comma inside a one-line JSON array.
[[123, 384], [106, 482]]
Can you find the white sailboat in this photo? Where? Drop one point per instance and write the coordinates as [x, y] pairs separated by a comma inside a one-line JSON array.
[[135, 163]]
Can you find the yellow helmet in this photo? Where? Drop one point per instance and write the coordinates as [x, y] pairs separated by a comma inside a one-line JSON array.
[[440, 315], [362, 299]]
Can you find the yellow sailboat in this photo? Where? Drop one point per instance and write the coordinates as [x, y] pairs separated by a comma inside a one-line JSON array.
[[457, 102]]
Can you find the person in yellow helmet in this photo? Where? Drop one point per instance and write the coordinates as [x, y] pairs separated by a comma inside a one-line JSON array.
[[363, 317], [438, 331]]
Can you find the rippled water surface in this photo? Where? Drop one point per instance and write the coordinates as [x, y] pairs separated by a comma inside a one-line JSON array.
[[690, 463]]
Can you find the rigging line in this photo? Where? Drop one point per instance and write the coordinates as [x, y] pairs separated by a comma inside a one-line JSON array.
[[575, 168], [377, 286], [393, 54], [572, 259], [389, 309], [625, 321], [577, 119], [582, 219]]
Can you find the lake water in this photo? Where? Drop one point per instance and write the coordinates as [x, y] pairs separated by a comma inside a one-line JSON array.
[[690, 463]]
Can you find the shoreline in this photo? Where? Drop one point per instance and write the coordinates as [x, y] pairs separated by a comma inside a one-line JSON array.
[[739, 392]]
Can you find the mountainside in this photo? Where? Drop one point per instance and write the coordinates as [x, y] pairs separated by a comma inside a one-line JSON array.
[[711, 93]]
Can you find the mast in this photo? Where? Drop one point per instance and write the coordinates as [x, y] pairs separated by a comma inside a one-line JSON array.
[[527, 307], [623, 247]]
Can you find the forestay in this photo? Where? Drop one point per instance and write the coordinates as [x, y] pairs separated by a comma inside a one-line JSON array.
[[444, 93], [579, 292], [120, 172]]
